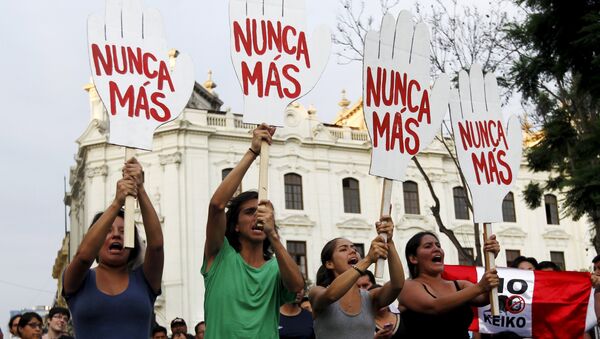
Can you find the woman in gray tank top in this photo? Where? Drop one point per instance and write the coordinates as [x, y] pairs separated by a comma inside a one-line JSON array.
[[340, 308]]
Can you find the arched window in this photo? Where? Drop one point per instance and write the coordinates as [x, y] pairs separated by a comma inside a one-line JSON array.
[[351, 195], [293, 191], [551, 209], [508, 208], [411, 197], [225, 172], [461, 211]]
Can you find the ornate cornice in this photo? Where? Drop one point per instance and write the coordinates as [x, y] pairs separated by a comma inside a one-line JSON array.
[[92, 172], [354, 223], [173, 158]]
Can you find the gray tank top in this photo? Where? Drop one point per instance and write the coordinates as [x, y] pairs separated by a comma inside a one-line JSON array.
[[333, 322]]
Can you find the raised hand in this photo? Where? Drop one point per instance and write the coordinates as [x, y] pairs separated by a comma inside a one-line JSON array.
[[488, 149], [125, 186], [139, 85], [275, 60], [402, 113], [133, 169]]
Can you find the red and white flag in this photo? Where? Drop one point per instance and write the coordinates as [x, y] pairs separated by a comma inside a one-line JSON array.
[[535, 304]]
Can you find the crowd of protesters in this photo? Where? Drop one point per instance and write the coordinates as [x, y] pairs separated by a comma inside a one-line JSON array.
[[253, 287]]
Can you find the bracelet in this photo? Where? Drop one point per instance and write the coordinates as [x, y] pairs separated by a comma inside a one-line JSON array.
[[253, 151], [358, 270]]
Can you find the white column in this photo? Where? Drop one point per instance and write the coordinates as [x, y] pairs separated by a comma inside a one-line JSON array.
[[174, 265]]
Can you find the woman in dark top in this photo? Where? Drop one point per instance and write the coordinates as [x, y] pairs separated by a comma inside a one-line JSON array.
[[431, 306], [116, 299]]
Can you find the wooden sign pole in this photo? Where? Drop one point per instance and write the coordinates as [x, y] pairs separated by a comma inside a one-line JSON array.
[[263, 173], [490, 263], [129, 209], [386, 209]]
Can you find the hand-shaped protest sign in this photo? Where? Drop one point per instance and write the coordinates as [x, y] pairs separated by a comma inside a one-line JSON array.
[[132, 73], [402, 113], [488, 150], [274, 59]]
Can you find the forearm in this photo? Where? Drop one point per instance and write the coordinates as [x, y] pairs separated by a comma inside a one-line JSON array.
[[395, 266], [231, 182], [449, 302], [344, 282], [290, 273], [152, 227], [391, 290]]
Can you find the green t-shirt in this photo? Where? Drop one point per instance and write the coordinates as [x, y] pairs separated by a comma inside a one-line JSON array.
[[241, 301]]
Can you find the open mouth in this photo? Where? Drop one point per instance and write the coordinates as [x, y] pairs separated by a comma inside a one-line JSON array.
[[257, 229], [437, 259], [353, 261], [115, 247]]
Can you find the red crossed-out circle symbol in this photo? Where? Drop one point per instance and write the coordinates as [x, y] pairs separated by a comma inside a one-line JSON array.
[[514, 304]]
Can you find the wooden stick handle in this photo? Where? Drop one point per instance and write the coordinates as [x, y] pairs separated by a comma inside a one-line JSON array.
[[386, 209], [130, 201], [263, 173], [490, 263]]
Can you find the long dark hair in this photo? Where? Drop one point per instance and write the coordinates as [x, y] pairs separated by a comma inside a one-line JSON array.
[[326, 276], [411, 250], [135, 251], [232, 217]]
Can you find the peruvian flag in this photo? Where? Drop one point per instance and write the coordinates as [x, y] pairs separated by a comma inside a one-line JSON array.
[[536, 304]]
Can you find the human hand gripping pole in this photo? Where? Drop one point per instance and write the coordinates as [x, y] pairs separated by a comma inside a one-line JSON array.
[[487, 148], [262, 139], [141, 85], [386, 209]]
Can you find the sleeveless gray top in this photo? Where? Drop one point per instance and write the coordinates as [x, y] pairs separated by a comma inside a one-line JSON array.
[[333, 322]]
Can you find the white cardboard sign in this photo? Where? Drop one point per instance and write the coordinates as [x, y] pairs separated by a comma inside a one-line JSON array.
[[275, 60], [402, 112], [132, 74], [488, 148]]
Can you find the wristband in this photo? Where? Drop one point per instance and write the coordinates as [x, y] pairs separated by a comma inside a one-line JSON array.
[[253, 152], [358, 270]]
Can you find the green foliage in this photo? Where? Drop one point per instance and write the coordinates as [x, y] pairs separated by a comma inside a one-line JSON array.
[[533, 195], [558, 71]]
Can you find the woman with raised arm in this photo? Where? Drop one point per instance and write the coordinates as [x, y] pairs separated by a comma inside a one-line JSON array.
[[116, 298], [244, 285], [433, 307], [340, 308]]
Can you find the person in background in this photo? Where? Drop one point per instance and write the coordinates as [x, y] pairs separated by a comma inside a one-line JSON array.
[[367, 281], [30, 326], [595, 277], [305, 304], [548, 266], [58, 318], [13, 323], [178, 326], [245, 285], [387, 323], [116, 298], [199, 329], [295, 322], [524, 263], [159, 332]]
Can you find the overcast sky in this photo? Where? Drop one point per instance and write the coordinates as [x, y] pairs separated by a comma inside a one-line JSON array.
[[43, 56]]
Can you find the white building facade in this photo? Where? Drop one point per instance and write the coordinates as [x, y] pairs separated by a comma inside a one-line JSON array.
[[320, 186]]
